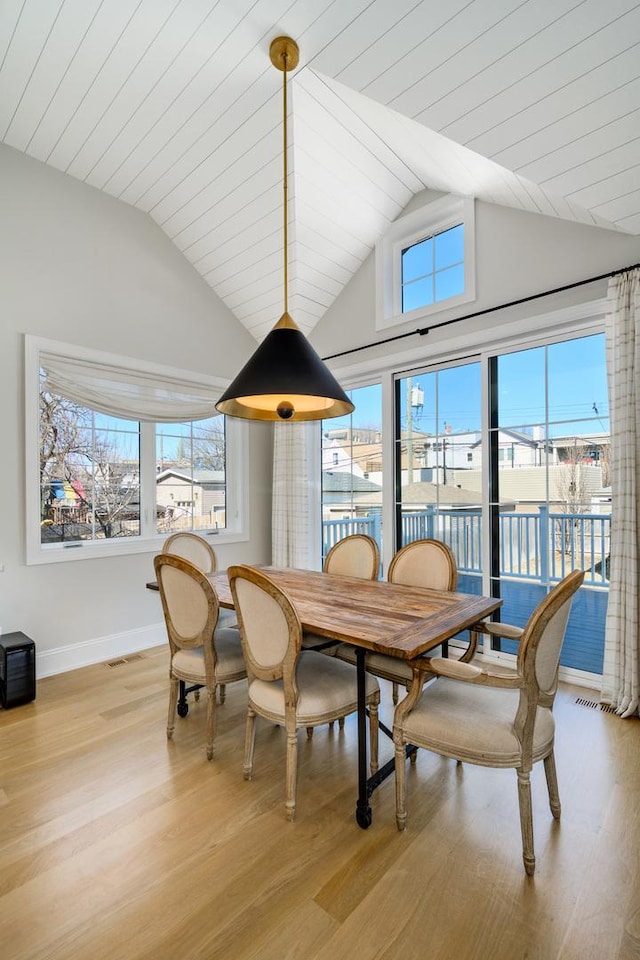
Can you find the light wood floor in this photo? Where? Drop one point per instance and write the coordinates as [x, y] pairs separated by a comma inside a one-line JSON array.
[[118, 845]]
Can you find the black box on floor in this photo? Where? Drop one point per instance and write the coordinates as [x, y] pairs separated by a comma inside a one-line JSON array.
[[17, 669]]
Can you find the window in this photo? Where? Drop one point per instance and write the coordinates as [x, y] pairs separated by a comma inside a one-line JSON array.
[[425, 263], [109, 482], [89, 472], [191, 486], [433, 269]]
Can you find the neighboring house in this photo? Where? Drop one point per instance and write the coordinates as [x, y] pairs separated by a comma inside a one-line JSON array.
[[569, 483], [354, 450], [346, 495], [200, 495]]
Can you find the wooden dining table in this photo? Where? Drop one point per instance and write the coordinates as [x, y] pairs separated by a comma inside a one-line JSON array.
[[371, 615]]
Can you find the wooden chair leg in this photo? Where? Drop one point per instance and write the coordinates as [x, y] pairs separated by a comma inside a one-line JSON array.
[[341, 723], [401, 784], [291, 775], [309, 733], [249, 743], [223, 692], [173, 703], [526, 821], [552, 785], [394, 692], [211, 721]]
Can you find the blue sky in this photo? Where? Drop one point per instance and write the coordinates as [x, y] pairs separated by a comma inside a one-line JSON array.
[[577, 392]]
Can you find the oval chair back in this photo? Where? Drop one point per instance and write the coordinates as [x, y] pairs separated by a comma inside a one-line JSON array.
[[192, 547], [424, 563], [354, 556]]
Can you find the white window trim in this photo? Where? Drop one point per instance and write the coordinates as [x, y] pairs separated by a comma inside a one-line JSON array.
[[433, 218], [149, 541]]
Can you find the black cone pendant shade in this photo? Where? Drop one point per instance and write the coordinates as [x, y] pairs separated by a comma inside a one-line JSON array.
[[285, 379]]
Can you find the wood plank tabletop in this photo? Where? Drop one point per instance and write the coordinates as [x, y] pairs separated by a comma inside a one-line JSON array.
[[381, 616]]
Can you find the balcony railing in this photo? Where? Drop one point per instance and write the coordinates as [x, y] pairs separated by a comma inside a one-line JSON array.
[[541, 546]]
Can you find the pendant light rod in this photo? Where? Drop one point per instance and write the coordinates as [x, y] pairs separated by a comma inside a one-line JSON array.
[[284, 185], [285, 379], [285, 55]]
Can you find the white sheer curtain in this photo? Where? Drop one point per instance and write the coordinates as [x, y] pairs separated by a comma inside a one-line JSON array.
[[621, 675], [293, 489]]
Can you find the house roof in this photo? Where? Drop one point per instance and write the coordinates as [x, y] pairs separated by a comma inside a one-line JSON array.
[[422, 493], [176, 109], [431, 493], [201, 477], [339, 481]]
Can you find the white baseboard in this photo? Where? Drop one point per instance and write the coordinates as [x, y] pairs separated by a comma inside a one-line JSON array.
[[74, 655]]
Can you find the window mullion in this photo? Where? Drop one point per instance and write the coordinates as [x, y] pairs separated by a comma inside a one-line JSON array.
[[148, 479]]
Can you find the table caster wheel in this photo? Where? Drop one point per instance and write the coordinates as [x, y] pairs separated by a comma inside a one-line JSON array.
[[183, 709], [363, 817]]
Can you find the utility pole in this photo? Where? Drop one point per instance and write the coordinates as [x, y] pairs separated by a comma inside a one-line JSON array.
[[409, 432]]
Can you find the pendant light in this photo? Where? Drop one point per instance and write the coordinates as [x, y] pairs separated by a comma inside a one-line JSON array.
[[285, 379]]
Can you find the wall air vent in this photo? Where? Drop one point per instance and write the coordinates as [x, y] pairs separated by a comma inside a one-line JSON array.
[[121, 660]]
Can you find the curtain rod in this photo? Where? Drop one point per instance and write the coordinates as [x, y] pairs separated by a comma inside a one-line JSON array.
[[423, 331]]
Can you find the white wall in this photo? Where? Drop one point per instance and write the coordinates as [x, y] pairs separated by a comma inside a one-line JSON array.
[[83, 268], [518, 254]]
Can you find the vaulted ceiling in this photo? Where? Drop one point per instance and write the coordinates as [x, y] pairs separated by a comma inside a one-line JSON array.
[[174, 106]]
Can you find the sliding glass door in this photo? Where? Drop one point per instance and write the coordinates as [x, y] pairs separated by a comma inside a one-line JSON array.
[[518, 484]]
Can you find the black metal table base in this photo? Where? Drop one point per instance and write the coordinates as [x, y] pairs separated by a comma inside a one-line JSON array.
[[183, 706], [367, 784]]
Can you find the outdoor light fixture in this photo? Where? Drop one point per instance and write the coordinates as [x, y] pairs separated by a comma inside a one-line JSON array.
[[285, 379]]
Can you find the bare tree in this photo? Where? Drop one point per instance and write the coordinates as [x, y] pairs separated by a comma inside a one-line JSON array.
[[208, 444], [105, 486], [573, 493]]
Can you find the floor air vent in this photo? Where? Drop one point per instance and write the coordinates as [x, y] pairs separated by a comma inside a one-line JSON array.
[[121, 660], [603, 707]]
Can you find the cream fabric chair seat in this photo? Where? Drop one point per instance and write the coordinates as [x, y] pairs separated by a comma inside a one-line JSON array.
[[326, 686], [475, 723], [189, 665], [381, 665]]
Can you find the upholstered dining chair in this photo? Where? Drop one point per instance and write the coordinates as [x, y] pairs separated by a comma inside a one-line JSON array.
[[193, 547], [200, 652], [422, 563], [493, 719], [287, 685]]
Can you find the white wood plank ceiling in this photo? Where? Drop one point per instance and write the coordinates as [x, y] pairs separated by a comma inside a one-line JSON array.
[[174, 106]]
